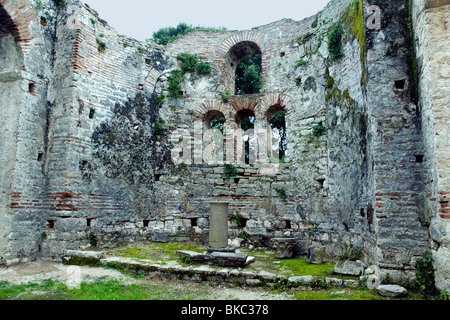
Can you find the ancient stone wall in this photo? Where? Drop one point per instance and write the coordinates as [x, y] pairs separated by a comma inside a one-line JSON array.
[[430, 19], [93, 133]]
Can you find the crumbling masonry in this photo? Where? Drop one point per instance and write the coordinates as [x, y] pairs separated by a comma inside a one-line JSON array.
[[87, 143]]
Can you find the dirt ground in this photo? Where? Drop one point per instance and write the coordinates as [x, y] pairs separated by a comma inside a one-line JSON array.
[[43, 270]]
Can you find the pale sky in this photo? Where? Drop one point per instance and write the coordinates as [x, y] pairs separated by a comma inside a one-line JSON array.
[[140, 18]]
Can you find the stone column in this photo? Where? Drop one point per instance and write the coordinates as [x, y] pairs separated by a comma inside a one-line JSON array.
[[218, 225]]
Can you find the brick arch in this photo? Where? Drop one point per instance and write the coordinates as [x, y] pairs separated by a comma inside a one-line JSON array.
[[210, 105], [245, 103], [280, 99], [231, 41], [21, 14], [234, 40]]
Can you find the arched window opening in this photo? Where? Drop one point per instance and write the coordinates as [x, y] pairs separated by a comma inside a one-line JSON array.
[[276, 117], [214, 123], [248, 79], [246, 121], [7, 25], [11, 56], [244, 63]]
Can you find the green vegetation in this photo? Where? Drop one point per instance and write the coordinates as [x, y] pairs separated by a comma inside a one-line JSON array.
[[39, 5], [282, 193], [229, 170], [354, 22], [335, 48], [175, 79], [318, 130], [78, 261], [60, 3], [329, 79], [218, 123], [160, 99], [350, 253], [190, 63], [101, 45], [226, 96], [248, 75], [425, 274], [239, 220], [203, 68], [167, 35], [301, 63], [101, 289], [144, 288], [158, 128], [337, 294]]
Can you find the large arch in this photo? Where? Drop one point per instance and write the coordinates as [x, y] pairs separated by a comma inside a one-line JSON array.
[[11, 62], [236, 47], [15, 18]]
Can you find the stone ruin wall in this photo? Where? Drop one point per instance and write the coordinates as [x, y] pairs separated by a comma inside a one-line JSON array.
[[88, 169]]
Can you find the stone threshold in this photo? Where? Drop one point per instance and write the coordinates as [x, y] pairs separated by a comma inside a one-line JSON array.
[[201, 273]]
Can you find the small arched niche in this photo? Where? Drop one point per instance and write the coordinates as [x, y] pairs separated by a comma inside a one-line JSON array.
[[11, 56]]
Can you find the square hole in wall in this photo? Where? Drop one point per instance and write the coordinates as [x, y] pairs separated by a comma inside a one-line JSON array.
[[91, 113], [40, 157], [419, 158], [194, 222], [287, 224], [32, 87], [50, 224], [89, 221], [400, 84], [321, 183], [146, 223]]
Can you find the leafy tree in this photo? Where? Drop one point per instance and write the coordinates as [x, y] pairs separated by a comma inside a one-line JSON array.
[[248, 75], [218, 123], [167, 35]]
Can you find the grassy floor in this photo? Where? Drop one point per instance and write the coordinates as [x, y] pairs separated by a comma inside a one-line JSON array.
[[149, 289], [103, 289]]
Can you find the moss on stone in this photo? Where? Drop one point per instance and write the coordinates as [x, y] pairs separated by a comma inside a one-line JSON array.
[[81, 261], [353, 24]]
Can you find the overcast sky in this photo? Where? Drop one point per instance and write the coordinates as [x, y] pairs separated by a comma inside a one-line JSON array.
[[140, 18]]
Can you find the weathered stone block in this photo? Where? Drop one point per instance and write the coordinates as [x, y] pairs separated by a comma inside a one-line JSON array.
[[392, 291], [316, 254], [194, 256], [284, 247], [229, 259], [354, 268]]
